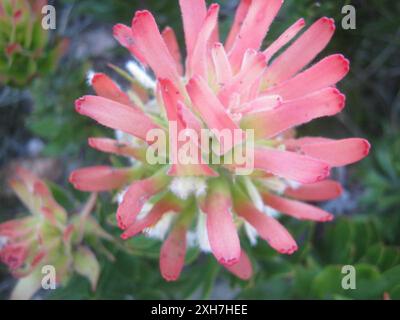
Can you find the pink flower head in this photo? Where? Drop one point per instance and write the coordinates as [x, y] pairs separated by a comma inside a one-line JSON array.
[[45, 237], [25, 242], [232, 86]]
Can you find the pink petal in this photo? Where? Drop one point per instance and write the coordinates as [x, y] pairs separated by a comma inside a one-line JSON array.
[[172, 99], [255, 26], [189, 118], [319, 191], [136, 196], [284, 39], [269, 123], [123, 34], [290, 165], [172, 44], [172, 254], [210, 109], [117, 147], [197, 61], [221, 230], [338, 152], [267, 227], [296, 144], [251, 70], [241, 13], [261, 103], [222, 65], [99, 178], [301, 52], [243, 268], [14, 255], [296, 209], [107, 88], [115, 115], [151, 44], [323, 74], [193, 14], [154, 215]]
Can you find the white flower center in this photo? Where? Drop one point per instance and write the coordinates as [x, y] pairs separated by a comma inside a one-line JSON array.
[[201, 232], [140, 75], [160, 229], [3, 241], [183, 187], [251, 233]]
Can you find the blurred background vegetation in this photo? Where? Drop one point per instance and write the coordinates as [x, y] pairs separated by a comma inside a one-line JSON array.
[[40, 129]]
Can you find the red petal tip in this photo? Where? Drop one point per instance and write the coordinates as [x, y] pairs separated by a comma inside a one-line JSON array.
[[96, 77], [140, 14], [325, 173], [91, 142], [169, 278], [213, 7], [78, 104], [367, 147], [229, 262], [289, 250], [328, 217], [302, 22]]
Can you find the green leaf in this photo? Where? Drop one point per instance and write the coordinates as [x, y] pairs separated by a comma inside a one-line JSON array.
[[86, 264]]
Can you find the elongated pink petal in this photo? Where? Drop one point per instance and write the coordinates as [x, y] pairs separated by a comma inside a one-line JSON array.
[[262, 103], [240, 15], [255, 26], [172, 254], [107, 88], [198, 60], [172, 99], [120, 148], [99, 178], [323, 74], [115, 115], [136, 196], [296, 144], [123, 34], [221, 229], [290, 165], [296, 209], [269, 123], [243, 268], [267, 227], [284, 39], [222, 65], [249, 73], [193, 14], [301, 52], [170, 40], [191, 121], [149, 41], [319, 191], [154, 215], [338, 152], [210, 109]]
